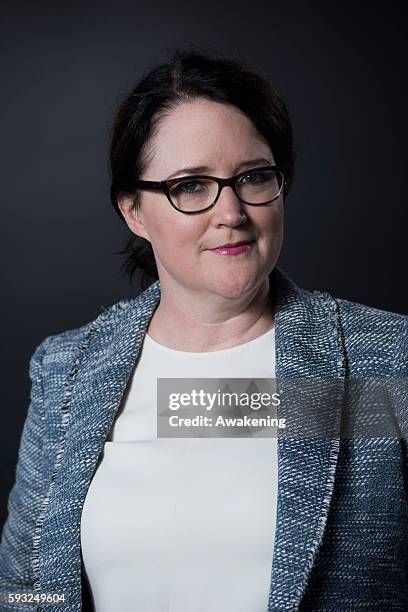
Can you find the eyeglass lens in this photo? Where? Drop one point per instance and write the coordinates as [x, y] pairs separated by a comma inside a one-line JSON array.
[[255, 187]]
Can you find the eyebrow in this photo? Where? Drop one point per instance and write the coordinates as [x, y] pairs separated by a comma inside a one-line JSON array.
[[199, 169]]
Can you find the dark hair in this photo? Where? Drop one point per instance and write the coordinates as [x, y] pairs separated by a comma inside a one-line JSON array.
[[190, 74]]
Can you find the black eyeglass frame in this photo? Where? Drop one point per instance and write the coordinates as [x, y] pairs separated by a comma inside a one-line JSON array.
[[164, 186]]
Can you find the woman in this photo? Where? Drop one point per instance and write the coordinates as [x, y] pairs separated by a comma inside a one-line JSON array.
[[106, 510]]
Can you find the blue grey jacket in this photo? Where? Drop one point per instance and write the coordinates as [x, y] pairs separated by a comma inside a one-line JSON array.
[[342, 519]]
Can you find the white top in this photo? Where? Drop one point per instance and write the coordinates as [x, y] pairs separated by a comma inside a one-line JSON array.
[[182, 524]]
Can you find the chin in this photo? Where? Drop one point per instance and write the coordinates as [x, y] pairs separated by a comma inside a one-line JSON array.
[[234, 284]]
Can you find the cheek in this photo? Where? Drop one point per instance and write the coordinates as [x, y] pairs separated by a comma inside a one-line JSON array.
[[177, 234], [173, 235], [269, 222]]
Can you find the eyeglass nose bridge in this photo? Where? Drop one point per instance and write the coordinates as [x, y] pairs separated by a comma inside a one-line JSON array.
[[226, 182]]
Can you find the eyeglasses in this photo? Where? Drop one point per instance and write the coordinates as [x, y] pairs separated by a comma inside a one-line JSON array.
[[197, 193]]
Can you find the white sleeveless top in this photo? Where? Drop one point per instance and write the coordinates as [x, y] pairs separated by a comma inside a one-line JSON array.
[[182, 524]]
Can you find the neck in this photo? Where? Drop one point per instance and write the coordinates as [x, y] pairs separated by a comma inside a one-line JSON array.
[[185, 321]]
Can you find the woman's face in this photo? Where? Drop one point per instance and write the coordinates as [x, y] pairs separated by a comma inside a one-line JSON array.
[[221, 138]]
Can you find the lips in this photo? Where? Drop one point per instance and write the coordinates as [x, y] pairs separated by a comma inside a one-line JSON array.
[[232, 244], [235, 248]]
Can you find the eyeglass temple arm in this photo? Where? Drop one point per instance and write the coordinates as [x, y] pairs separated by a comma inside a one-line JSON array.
[[150, 184]]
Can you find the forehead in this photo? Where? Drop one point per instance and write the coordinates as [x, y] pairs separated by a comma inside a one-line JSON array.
[[202, 132]]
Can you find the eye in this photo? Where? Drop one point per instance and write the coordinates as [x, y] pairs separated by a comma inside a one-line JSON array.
[[254, 177], [187, 187]]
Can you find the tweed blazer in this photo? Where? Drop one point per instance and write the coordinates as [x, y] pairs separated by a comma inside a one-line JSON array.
[[342, 514]]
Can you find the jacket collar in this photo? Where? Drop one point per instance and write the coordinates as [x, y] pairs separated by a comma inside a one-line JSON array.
[[308, 345]]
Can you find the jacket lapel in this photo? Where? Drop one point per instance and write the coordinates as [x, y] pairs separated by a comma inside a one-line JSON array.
[[307, 345], [95, 386]]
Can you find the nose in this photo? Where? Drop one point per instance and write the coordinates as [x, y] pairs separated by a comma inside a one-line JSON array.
[[228, 209]]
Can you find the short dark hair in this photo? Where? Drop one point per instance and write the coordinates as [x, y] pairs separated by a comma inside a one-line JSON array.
[[190, 74]]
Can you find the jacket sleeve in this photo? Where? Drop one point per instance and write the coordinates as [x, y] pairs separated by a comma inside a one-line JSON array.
[[26, 495], [400, 389]]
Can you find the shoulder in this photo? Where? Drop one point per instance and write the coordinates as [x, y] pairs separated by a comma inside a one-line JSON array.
[[361, 320], [375, 340], [58, 350]]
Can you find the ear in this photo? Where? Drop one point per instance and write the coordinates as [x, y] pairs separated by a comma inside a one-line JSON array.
[[132, 216]]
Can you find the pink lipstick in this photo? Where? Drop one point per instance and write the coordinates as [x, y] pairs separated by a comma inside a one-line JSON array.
[[233, 249]]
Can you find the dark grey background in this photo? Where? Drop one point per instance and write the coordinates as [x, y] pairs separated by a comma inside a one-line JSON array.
[[64, 67]]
